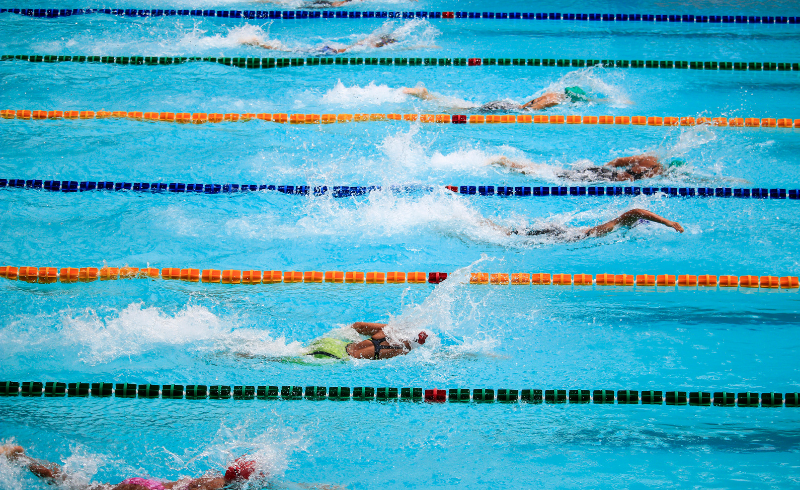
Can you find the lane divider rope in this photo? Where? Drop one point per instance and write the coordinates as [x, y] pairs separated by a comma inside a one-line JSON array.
[[54, 389], [302, 119], [353, 61], [46, 275], [359, 14], [69, 186]]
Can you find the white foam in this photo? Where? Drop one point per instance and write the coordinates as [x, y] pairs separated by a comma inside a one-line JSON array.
[[95, 337], [235, 37], [409, 35], [412, 34], [356, 96]]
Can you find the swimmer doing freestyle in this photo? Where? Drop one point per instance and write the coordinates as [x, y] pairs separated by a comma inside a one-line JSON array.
[[550, 99], [376, 347], [627, 219], [326, 49], [331, 3], [622, 169], [237, 475]]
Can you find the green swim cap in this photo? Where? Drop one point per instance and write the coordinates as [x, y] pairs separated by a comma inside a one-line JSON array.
[[677, 162], [576, 94]]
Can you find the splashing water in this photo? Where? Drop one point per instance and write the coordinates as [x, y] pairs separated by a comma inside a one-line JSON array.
[[235, 37], [270, 448], [137, 332], [413, 34], [602, 85], [357, 96]]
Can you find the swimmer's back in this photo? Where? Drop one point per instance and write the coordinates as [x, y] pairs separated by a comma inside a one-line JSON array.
[[500, 106]]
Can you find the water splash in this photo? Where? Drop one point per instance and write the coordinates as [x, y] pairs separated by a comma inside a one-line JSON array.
[[409, 35], [357, 96], [93, 337], [247, 34], [270, 448], [603, 86]]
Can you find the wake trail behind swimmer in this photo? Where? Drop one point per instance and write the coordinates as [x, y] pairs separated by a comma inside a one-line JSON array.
[[627, 219]]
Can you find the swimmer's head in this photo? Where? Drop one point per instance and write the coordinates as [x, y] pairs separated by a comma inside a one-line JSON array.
[[576, 94], [676, 162], [422, 337], [241, 470], [384, 40]]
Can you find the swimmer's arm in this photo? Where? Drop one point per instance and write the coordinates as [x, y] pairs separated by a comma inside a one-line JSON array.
[[643, 160], [509, 164], [42, 469], [547, 100], [628, 218], [368, 328], [255, 43], [492, 224], [419, 92], [204, 483]]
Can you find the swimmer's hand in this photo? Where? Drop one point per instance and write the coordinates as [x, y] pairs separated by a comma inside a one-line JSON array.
[[11, 451], [676, 226]]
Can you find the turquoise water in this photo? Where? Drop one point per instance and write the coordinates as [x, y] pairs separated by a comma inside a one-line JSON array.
[[480, 336]]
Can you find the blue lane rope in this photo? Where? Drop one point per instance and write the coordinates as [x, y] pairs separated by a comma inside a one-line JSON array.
[[355, 14], [347, 191]]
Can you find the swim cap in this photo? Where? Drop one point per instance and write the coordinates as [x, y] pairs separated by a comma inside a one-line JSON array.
[[677, 162], [576, 94], [421, 338], [241, 469]]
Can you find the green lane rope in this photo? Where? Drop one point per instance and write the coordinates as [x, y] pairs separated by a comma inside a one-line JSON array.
[[53, 389]]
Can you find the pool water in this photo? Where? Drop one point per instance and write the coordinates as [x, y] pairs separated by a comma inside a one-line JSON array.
[[163, 332]]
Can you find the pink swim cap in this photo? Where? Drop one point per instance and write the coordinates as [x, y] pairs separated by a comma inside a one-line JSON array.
[[241, 469]]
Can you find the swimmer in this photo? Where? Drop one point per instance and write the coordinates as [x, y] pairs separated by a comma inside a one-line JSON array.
[[550, 99], [376, 347], [627, 219], [622, 169], [316, 4], [325, 49], [326, 3], [236, 475]]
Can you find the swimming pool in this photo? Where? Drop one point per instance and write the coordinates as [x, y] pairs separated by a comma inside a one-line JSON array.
[[517, 337]]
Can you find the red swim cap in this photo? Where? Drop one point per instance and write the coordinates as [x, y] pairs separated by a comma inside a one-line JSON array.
[[422, 337], [241, 469]]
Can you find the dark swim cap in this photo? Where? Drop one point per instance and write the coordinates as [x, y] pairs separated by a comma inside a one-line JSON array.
[[576, 94]]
